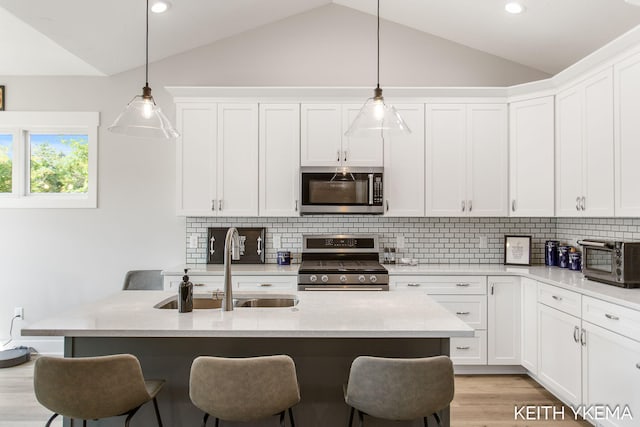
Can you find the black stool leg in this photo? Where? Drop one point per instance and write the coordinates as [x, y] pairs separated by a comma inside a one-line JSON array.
[[426, 422], [437, 417], [50, 420], [361, 418], [204, 419], [217, 422], [351, 416], [84, 423], [291, 420], [155, 406], [282, 419]]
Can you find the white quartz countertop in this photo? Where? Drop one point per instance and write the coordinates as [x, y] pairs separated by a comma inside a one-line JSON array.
[[341, 314], [239, 269]]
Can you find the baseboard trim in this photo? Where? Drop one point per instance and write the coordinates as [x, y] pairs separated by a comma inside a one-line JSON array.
[[53, 346], [488, 369]]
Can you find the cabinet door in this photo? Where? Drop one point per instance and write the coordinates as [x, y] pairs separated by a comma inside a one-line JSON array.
[[196, 159], [279, 159], [626, 136], [597, 150], [238, 159], [446, 165], [531, 148], [487, 175], [404, 166], [529, 348], [503, 344], [321, 135], [559, 354], [611, 373], [569, 152], [359, 151]]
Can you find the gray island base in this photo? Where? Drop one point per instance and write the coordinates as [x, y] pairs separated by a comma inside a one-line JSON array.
[[323, 333]]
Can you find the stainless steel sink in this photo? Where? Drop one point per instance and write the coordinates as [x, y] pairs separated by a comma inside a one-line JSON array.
[[204, 302]]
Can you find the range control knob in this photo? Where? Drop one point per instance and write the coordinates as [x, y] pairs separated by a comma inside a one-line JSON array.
[[324, 278], [373, 279], [361, 278], [618, 272], [313, 278], [343, 278]]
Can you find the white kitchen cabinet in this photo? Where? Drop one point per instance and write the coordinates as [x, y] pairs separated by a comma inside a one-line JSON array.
[[529, 328], [217, 159], [611, 373], [626, 136], [279, 156], [466, 160], [504, 301], [559, 354], [531, 152], [584, 148], [404, 166], [323, 142], [266, 283]]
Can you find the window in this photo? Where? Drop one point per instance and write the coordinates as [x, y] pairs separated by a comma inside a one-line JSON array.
[[48, 160]]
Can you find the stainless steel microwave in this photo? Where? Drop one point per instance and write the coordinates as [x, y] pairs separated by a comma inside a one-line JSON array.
[[331, 190], [612, 262]]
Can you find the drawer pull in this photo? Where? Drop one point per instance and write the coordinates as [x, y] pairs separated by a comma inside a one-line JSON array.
[[466, 347], [462, 313], [463, 285], [265, 285], [413, 285], [199, 284], [576, 334], [583, 338], [611, 316], [557, 298]]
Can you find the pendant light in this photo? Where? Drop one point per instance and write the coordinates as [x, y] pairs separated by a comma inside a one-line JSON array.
[[142, 117], [375, 115]]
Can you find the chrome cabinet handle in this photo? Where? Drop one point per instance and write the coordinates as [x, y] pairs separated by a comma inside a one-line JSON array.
[[199, 284], [338, 156], [463, 313], [492, 289], [296, 206], [220, 204], [387, 203], [212, 248], [466, 347], [463, 206], [583, 203], [470, 206], [345, 155], [577, 203], [611, 316], [513, 205], [266, 285], [576, 334], [583, 338], [413, 285], [213, 205], [463, 285], [557, 298]]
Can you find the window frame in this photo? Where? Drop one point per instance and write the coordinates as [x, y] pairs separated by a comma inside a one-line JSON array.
[[21, 125]]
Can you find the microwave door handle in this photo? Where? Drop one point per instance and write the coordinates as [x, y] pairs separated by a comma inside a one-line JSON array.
[[595, 243], [371, 189]]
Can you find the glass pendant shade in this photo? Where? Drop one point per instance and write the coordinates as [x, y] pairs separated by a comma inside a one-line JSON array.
[[376, 116], [143, 118]]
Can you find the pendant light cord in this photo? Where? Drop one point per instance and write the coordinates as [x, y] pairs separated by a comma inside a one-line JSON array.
[[146, 63], [378, 76]]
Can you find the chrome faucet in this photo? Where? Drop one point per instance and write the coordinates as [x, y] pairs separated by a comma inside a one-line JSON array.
[[231, 250]]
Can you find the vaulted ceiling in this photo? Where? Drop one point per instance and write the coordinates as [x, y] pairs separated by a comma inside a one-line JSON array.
[[92, 37]]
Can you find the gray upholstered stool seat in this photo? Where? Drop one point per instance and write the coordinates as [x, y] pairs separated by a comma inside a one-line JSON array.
[[399, 389], [136, 280], [244, 389], [89, 388]]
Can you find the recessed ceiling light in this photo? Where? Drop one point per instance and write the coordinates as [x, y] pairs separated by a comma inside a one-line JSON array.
[[514, 7], [160, 6]]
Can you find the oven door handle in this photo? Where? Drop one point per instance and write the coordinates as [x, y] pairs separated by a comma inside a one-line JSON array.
[[371, 189], [595, 243]]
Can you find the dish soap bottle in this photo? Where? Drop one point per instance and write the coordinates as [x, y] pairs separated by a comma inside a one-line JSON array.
[[185, 294]]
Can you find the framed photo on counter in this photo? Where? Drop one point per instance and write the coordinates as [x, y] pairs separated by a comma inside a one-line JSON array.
[[517, 250]]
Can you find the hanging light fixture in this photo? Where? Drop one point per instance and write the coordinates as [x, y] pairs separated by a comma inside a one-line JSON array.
[[375, 116], [142, 117]]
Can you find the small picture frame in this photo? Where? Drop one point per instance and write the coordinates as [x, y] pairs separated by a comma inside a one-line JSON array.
[[1, 98], [517, 250]]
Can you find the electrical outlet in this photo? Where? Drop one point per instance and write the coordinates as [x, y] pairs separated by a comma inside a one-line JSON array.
[[482, 242], [277, 241], [18, 312], [400, 241], [193, 241]]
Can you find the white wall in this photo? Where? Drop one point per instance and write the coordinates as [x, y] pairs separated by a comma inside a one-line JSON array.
[[52, 259]]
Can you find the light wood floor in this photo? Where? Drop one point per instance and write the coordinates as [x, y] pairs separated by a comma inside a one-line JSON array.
[[480, 401]]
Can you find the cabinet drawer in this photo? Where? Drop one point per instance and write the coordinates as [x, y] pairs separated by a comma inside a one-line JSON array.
[[560, 299], [200, 283], [622, 320], [444, 285], [471, 309], [266, 283], [469, 350]]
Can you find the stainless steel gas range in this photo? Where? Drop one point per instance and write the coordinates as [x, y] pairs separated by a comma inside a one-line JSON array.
[[341, 262]]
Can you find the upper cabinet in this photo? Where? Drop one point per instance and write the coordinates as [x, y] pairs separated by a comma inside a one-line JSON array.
[[217, 159], [584, 148], [627, 136], [466, 160], [323, 142], [531, 149], [404, 165], [279, 142]]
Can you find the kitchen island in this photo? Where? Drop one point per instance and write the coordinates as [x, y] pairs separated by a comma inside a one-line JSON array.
[[323, 333]]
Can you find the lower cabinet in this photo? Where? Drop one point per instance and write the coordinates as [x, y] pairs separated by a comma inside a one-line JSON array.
[[211, 283], [559, 355], [529, 327], [503, 340]]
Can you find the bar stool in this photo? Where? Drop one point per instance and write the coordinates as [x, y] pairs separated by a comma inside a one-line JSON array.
[[244, 389], [399, 389], [90, 388]]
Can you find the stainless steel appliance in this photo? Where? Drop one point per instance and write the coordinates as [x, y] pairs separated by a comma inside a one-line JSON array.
[[341, 262], [615, 263], [330, 190]]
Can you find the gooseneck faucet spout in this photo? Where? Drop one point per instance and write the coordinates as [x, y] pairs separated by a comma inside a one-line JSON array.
[[231, 250]]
